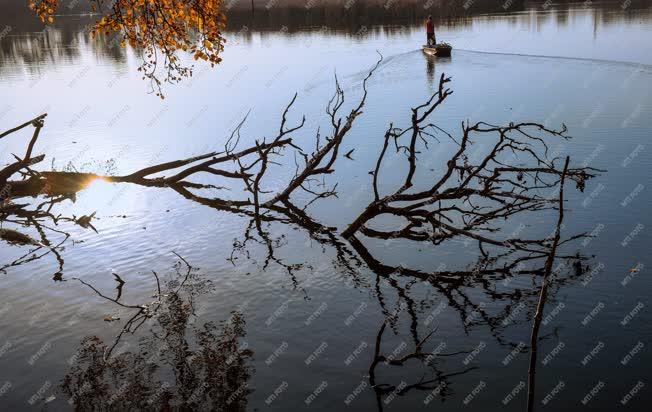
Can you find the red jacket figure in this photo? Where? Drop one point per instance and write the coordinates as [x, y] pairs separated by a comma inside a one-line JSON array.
[[430, 32]]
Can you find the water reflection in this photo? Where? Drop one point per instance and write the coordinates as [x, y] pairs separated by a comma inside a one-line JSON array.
[[475, 193], [58, 44], [38, 217], [179, 363], [29, 45], [496, 303], [431, 63]]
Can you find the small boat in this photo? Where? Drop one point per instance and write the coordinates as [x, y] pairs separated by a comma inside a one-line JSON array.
[[439, 49]]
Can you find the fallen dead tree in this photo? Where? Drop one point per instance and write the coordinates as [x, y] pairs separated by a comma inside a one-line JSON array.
[[469, 200]]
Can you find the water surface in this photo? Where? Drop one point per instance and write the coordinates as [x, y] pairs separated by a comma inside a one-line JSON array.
[[589, 68]]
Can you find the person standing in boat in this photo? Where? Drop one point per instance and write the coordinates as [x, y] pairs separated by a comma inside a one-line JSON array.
[[430, 32]]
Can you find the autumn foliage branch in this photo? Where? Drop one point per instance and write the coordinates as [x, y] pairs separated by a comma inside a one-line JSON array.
[[160, 30]]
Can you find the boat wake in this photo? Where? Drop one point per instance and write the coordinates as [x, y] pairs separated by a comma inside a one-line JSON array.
[[387, 60], [641, 66]]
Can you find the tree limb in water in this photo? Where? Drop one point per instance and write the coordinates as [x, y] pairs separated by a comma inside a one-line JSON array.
[[470, 200], [538, 316]]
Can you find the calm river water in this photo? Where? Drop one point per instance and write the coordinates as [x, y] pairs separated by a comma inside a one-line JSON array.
[[309, 323]]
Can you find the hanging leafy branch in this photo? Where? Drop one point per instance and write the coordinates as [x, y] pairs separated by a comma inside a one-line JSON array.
[[160, 30]]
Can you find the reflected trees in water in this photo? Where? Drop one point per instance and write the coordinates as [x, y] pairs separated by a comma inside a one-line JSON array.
[[179, 364], [474, 197]]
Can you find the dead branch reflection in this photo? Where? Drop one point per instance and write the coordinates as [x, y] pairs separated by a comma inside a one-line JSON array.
[[438, 382], [472, 200]]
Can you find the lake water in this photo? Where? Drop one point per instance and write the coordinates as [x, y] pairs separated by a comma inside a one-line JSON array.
[[310, 321]]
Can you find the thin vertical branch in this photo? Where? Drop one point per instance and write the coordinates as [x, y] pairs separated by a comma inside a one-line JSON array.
[[544, 295]]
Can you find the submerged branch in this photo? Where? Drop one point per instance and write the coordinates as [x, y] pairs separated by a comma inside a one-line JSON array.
[[471, 200], [538, 316]]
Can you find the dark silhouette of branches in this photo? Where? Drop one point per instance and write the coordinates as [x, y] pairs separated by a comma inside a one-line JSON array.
[[27, 159], [54, 187], [469, 199], [473, 198], [320, 162], [179, 365], [419, 354]]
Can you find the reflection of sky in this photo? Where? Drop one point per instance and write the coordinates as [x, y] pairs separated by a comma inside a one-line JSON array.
[[583, 34], [574, 31], [101, 120], [94, 92]]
